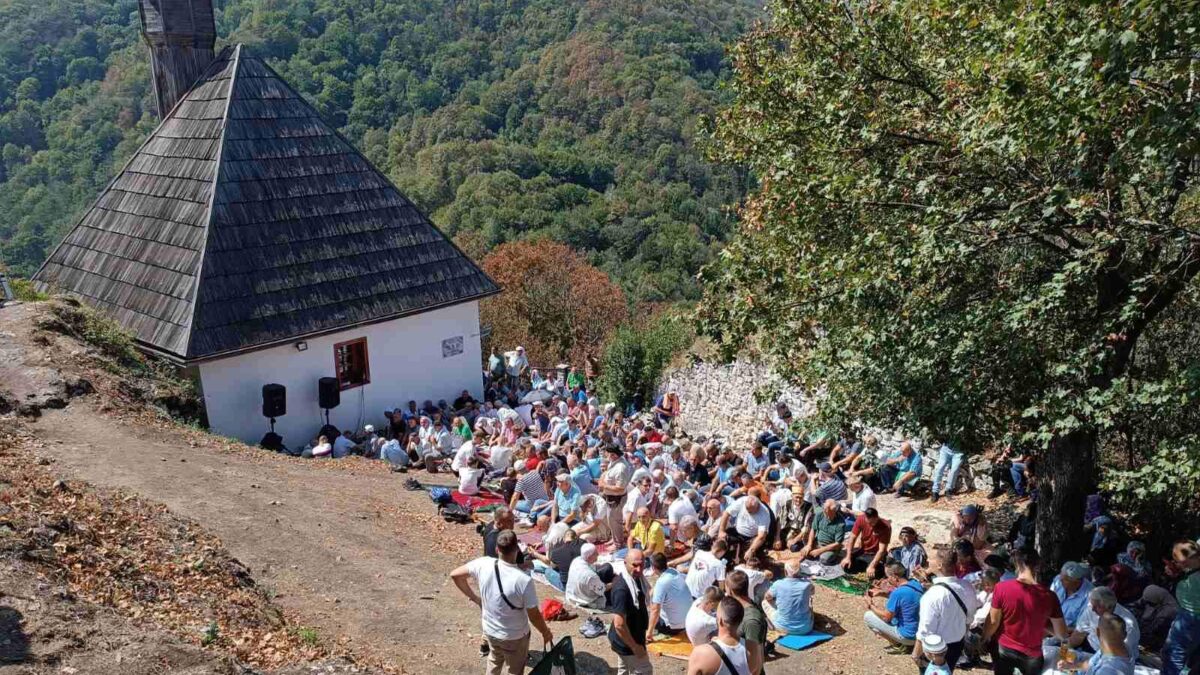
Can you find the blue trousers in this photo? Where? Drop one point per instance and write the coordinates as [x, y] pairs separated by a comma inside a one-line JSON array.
[[1018, 476], [888, 474], [951, 459], [1183, 644], [536, 508]]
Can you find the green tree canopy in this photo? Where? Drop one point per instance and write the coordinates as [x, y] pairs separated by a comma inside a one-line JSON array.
[[970, 215]]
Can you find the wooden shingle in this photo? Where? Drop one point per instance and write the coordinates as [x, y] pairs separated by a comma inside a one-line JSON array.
[[245, 221]]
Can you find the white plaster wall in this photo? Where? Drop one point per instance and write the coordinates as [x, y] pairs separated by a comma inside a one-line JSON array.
[[405, 359]]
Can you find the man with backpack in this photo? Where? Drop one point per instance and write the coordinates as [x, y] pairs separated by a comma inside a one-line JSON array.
[[509, 604]]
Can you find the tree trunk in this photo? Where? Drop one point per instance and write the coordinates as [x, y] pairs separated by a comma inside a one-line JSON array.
[[1065, 477]]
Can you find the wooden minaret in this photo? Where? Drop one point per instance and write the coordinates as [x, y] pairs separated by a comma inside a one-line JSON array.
[[181, 35]]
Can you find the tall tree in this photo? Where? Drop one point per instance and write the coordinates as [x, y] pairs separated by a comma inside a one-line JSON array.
[[969, 215], [555, 304]]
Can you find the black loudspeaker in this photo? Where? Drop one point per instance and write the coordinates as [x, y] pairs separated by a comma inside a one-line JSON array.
[[274, 400], [328, 392]]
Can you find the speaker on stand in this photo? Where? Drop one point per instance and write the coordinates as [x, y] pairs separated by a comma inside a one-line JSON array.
[[274, 402], [329, 394]]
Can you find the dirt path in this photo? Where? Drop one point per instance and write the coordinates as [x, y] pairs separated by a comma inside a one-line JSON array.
[[345, 552]]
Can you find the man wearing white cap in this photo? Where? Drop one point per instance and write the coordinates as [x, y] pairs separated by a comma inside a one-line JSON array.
[[516, 365], [585, 586]]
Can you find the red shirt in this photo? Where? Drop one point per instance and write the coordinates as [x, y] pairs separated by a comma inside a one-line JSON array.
[[1027, 609], [532, 462], [872, 537]]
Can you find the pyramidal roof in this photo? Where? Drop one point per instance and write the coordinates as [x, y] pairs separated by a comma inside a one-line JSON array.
[[245, 221]]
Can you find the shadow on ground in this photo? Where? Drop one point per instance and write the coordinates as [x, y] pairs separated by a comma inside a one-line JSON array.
[[14, 644]]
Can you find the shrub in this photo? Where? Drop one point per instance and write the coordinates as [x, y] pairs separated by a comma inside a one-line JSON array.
[[635, 359]]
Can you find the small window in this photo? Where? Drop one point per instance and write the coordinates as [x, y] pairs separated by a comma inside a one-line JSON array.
[[350, 362]]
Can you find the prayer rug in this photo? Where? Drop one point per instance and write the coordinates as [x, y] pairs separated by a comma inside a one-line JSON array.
[[800, 642], [483, 500], [847, 584], [675, 647]]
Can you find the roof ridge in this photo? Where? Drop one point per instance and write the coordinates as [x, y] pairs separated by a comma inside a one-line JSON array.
[[236, 57]]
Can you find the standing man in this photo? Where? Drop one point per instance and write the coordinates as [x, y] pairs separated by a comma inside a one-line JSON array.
[[754, 624], [727, 652], [1021, 610], [1183, 641], [946, 610], [631, 618], [508, 602], [614, 483], [950, 459]]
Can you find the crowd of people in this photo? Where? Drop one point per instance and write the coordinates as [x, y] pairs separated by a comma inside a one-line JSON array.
[[673, 535]]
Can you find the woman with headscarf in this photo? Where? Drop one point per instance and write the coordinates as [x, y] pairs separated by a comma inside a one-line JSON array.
[[1155, 614], [1123, 584], [1135, 559]]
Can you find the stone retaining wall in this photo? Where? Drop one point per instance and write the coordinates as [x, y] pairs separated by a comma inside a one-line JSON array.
[[719, 401]]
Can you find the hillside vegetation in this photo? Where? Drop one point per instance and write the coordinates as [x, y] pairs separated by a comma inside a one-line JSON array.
[[504, 120]]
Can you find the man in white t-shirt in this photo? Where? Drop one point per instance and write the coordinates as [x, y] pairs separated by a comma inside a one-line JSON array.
[[701, 623], [861, 496], [509, 603], [466, 451], [614, 484], [745, 525], [1102, 600], [678, 508], [706, 567], [585, 587]]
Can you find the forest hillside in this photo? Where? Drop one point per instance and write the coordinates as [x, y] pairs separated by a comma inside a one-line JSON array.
[[577, 121]]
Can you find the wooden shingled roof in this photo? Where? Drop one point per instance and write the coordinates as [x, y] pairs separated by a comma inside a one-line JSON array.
[[246, 221]]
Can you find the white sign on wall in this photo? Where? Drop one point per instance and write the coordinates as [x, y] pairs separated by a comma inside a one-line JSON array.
[[452, 346]]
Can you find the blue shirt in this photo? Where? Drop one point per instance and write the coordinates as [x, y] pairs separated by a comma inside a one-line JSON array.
[[593, 465], [793, 600], [671, 591], [1074, 605], [905, 605], [582, 475], [1100, 664], [567, 502], [756, 464], [911, 463]]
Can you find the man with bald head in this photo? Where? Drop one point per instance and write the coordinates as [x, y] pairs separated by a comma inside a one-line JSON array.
[[826, 535], [745, 526], [631, 617], [901, 470], [647, 534]]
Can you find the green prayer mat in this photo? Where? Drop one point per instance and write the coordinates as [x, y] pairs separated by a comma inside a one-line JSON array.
[[846, 584]]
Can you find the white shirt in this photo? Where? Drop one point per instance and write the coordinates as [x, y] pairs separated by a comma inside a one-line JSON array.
[[754, 577], [749, 524], [468, 480], [584, 586], [941, 615], [342, 446], [465, 452], [501, 458], [635, 500], [736, 655], [499, 620], [678, 509], [618, 473], [322, 450], [1088, 623], [865, 499], [706, 569], [700, 625]]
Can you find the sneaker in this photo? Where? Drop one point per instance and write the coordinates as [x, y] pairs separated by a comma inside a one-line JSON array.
[[933, 498], [592, 628], [484, 650]]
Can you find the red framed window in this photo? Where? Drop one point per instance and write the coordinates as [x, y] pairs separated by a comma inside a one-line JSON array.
[[351, 364]]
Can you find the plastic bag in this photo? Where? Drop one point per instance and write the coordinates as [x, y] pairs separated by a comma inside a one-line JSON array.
[[560, 660]]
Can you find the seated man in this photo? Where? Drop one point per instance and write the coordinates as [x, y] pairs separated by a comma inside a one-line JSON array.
[[530, 496], [588, 583], [746, 525], [867, 544], [970, 524], [828, 485], [1101, 601], [910, 552], [593, 520], [567, 499], [1072, 586], [826, 535], [788, 602], [701, 617], [901, 470], [794, 521], [861, 497], [669, 601], [897, 621], [678, 508], [647, 534]]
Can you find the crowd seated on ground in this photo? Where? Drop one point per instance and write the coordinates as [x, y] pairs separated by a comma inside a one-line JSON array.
[[715, 525]]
